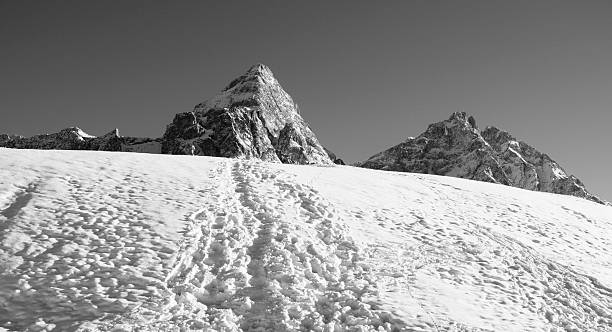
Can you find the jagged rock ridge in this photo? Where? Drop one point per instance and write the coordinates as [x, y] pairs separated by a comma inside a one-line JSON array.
[[456, 147], [73, 138], [253, 117]]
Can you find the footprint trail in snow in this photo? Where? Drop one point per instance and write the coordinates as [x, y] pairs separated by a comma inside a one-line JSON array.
[[268, 254], [120, 242]]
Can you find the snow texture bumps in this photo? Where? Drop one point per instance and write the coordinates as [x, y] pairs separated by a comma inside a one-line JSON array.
[[96, 241]]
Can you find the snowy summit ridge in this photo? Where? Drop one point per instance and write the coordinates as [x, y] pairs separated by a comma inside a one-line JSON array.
[[456, 147], [252, 117]]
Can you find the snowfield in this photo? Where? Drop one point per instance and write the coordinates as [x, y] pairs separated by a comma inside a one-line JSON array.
[[103, 241]]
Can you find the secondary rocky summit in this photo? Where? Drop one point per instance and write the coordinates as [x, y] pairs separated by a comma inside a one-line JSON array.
[[252, 117], [456, 147]]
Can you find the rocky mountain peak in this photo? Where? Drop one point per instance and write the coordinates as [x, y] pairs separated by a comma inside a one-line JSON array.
[[458, 117], [260, 70], [456, 147], [458, 129], [252, 117], [257, 75], [462, 119], [257, 88]]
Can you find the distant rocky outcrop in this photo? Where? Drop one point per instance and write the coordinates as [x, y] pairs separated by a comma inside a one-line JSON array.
[[456, 147], [528, 168], [333, 157], [74, 138], [253, 117]]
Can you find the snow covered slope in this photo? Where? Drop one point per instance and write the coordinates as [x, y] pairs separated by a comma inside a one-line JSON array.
[[103, 241]]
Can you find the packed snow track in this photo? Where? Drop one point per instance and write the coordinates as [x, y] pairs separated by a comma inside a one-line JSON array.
[[102, 241]]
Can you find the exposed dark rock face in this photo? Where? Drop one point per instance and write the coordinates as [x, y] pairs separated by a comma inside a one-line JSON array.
[[66, 139], [456, 147], [453, 147], [253, 117], [528, 168], [74, 138], [334, 158]]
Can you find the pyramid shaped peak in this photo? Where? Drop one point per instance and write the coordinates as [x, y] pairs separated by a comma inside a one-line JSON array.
[[252, 117], [258, 74], [256, 87], [260, 68]]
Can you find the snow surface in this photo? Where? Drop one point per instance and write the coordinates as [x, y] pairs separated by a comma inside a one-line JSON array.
[[109, 241]]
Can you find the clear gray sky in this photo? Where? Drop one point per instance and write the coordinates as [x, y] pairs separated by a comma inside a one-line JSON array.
[[366, 74]]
